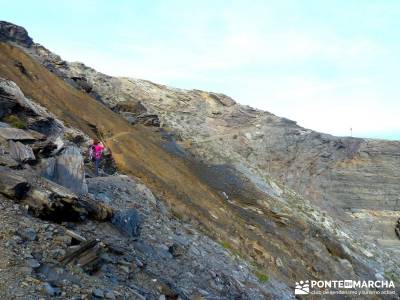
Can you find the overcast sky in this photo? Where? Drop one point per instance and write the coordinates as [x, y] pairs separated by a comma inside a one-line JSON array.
[[329, 65]]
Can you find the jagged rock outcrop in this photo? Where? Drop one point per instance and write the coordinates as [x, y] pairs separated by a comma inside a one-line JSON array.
[[11, 32], [25, 113], [20, 152]]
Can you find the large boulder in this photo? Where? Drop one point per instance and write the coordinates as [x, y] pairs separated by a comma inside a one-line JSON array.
[[13, 103], [68, 170], [11, 97], [48, 200]]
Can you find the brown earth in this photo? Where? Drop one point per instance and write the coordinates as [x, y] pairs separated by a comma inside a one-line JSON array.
[[136, 150]]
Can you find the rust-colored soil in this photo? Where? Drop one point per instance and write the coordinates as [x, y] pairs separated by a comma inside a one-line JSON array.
[[137, 151]]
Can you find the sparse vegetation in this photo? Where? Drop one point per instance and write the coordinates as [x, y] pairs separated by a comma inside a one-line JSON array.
[[261, 276], [177, 215], [238, 254], [259, 273], [15, 121], [69, 136], [226, 245]]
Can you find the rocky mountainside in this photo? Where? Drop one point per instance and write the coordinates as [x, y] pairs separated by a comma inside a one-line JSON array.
[[353, 179], [64, 235], [295, 203]]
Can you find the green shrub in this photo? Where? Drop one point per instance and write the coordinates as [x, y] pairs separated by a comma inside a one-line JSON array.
[[15, 121], [261, 276], [226, 245], [238, 254]]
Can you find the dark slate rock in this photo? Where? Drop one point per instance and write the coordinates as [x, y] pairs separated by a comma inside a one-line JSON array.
[[29, 234], [7, 104], [33, 263], [130, 117], [110, 295], [14, 33], [128, 222], [12, 184], [98, 293], [55, 276], [177, 250], [50, 290], [45, 125]]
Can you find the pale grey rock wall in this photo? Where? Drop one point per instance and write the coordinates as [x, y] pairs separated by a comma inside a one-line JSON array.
[[334, 172], [69, 170]]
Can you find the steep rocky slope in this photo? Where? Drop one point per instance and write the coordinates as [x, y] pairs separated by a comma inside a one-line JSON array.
[[225, 168], [354, 179], [117, 241], [220, 129]]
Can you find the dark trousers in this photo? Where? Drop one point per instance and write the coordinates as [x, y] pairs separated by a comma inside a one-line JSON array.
[[97, 164]]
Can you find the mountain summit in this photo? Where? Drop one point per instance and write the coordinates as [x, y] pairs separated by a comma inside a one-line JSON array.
[[198, 196]]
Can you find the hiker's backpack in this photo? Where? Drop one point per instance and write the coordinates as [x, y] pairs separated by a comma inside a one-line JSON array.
[[92, 153]]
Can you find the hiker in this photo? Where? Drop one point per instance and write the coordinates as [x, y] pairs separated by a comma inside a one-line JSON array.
[[95, 152]]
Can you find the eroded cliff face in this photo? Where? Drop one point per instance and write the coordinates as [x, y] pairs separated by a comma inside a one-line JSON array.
[[229, 168], [353, 179], [217, 128]]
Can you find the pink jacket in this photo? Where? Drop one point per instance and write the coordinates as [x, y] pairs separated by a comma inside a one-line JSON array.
[[98, 149]]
